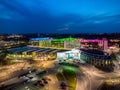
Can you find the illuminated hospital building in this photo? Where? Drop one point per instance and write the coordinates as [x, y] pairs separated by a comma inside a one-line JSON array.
[[61, 43], [67, 43], [95, 44], [41, 42]]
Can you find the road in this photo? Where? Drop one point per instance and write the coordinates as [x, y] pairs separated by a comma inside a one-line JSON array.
[[88, 77], [53, 84], [92, 78]]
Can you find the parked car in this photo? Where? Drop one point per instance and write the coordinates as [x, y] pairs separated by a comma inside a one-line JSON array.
[[45, 81], [42, 72], [39, 82], [27, 88], [63, 85]]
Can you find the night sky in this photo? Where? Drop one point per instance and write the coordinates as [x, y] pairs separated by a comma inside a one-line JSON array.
[[59, 16]]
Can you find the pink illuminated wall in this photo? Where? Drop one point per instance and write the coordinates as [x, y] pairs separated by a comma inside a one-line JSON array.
[[87, 41], [103, 42]]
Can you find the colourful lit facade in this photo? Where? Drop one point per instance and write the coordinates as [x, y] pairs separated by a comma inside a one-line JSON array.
[[65, 43], [95, 44], [69, 43], [98, 59], [69, 56], [41, 42], [55, 43]]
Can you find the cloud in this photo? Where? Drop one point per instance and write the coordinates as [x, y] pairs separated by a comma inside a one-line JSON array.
[[63, 29], [35, 16], [6, 13], [98, 19], [97, 23]]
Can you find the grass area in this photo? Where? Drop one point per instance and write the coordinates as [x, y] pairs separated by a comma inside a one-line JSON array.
[[60, 76], [68, 73], [68, 64], [70, 76]]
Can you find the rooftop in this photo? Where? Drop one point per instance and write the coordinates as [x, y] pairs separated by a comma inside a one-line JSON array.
[[63, 39], [38, 39]]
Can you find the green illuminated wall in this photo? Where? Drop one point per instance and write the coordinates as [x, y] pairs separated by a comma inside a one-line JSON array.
[[58, 43], [63, 39], [61, 43]]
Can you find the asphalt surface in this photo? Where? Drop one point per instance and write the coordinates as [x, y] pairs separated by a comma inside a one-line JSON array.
[[88, 78]]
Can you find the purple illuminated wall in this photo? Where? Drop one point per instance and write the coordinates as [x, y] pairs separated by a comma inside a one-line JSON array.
[[103, 42], [87, 41]]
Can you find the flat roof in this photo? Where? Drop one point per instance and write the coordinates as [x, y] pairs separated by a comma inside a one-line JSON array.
[[31, 50], [42, 50], [63, 50], [39, 50], [93, 51], [38, 39], [54, 51], [20, 49], [34, 49], [63, 39], [51, 50], [47, 50]]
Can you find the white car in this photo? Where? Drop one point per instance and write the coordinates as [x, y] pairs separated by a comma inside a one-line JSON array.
[[26, 79], [27, 88]]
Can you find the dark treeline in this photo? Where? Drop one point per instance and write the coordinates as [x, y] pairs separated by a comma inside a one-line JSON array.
[[82, 35], [86, 35]]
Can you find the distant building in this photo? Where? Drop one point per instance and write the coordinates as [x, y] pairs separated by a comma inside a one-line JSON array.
[[95, 44], [67, 43], [12, 44], [15, 36], [64, 43], [2, 37], [41, 42], [114, 42]]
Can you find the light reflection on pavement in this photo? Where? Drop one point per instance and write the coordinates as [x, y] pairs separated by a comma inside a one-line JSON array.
[[88, 77]]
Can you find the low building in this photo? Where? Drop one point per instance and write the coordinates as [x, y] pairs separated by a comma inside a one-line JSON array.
[[41, 42], [67, 43], [97, 58], [69, 56], [95, 44], [63, 43], [35, 53]]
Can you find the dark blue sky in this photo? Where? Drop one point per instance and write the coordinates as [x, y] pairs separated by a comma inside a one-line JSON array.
[[59, 16]]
